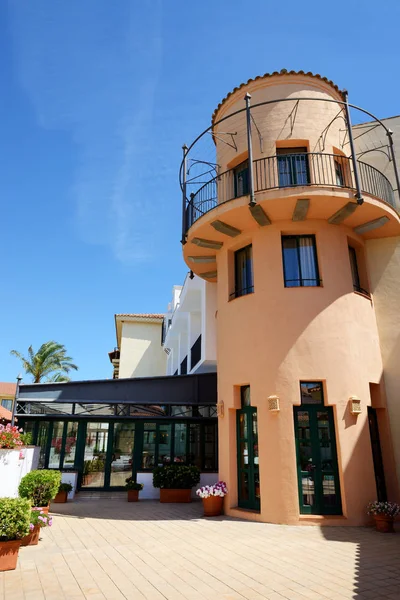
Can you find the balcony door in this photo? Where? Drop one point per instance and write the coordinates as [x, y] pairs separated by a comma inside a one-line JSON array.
[[293, 166], [247, 454]]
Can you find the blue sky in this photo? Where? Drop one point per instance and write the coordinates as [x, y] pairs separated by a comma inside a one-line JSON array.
[[97, 98]]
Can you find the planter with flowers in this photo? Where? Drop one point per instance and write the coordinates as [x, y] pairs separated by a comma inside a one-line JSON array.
[[175, 482], [213, 498], [38, 520], [10, 437], [133, 488], [14, 525], [384, 514], [62, 495], [40, 487]]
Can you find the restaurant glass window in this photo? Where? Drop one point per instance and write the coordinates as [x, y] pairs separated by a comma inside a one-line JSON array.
[[149, 445], [56, 444], [194, 457], [164, 443], [70, 445], [122, 453], [42, 438], [180, 439], [95, 453], [210, 447]]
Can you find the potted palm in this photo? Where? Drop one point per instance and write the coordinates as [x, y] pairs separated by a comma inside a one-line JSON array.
[[14, 525], [38, 520], [62, 495], [213, 498], [384, 514], [175, 482], [40, 487], [133, 488]]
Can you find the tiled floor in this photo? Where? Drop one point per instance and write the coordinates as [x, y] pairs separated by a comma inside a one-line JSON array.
[[104, 548]]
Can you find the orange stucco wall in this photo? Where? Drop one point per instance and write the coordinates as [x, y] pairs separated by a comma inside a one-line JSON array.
[[277, 337]]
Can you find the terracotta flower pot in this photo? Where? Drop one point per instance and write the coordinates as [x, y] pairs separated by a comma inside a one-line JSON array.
[[213, 506], [384, 524], [43, 509], [32, 539], [133, 495], [175, 495], [60, 498], [9, 555]]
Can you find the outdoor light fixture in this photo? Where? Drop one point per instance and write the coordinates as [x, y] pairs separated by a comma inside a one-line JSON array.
[[273, 404], [220, 409], [259, 215], [370, 225], [355, 405], [225, 228], [207, 243]]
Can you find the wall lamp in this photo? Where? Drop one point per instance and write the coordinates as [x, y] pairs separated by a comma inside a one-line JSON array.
[[355, 405], [273, 404]]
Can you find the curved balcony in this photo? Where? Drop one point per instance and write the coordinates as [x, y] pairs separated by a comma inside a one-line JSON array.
[[287, 171]]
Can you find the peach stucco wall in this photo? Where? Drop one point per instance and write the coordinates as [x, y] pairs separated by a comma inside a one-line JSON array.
[[277, 337], [384, 267]]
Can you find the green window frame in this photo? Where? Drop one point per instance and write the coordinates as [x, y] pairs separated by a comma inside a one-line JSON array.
[[248, 472]]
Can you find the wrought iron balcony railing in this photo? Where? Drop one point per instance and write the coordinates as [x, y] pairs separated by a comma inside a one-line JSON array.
[[288, 171]]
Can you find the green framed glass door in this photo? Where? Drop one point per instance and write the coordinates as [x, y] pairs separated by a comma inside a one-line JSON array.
[[121, 459], [247, 459], [317, 468]]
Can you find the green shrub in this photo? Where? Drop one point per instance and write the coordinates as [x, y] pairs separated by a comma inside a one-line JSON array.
[[131, 484], [176, 477], [26, 438], [40, 486], [65, 487], [15, 516]]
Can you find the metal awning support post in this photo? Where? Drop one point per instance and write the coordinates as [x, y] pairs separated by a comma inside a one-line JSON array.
[[250, 150], [353, 152], [14, 406], [184, 174], [389, 133]]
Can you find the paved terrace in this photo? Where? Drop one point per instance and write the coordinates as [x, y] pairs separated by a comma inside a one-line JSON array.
[[104, 548]]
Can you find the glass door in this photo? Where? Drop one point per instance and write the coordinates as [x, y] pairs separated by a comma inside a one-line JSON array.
[[247, 454], [377, 455], [94, 457], [317, 469], [122, 453]]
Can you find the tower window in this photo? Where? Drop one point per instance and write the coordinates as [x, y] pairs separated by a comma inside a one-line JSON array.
[[243, 272], [300, 265], [293, 166]]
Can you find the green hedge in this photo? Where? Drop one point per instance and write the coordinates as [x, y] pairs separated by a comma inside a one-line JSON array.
[[15, 516], [176, 477], [40, 486]]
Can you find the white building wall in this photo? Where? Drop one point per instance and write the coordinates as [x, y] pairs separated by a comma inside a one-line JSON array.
[[142, 354]]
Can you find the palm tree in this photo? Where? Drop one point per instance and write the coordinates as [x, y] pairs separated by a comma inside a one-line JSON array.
[[50, 362]]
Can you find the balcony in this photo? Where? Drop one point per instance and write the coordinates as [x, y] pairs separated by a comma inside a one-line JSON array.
[[312, 169]]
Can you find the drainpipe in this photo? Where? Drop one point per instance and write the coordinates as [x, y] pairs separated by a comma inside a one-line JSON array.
[[185, 150], [250, 150], [352, 148], [389, 133]]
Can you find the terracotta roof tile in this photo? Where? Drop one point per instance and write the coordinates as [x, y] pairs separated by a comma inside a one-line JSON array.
[[8, 389], [275, 73]]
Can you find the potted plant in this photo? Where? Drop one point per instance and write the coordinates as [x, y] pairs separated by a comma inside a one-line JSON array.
[[62, 495], [40, 487], [38, 520], [133, 488], [213, 498], [384, 514], [175, 482], [14, 525]]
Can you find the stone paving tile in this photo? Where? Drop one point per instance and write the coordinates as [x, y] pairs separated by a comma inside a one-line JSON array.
[[102, 548]]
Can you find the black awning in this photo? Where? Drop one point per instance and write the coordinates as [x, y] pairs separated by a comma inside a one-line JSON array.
[[182, 389]]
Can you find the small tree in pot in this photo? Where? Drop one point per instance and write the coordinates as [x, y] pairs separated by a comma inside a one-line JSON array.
[[40, 487], [14, 525], [133, 488], [175, 482], [62, 495]]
